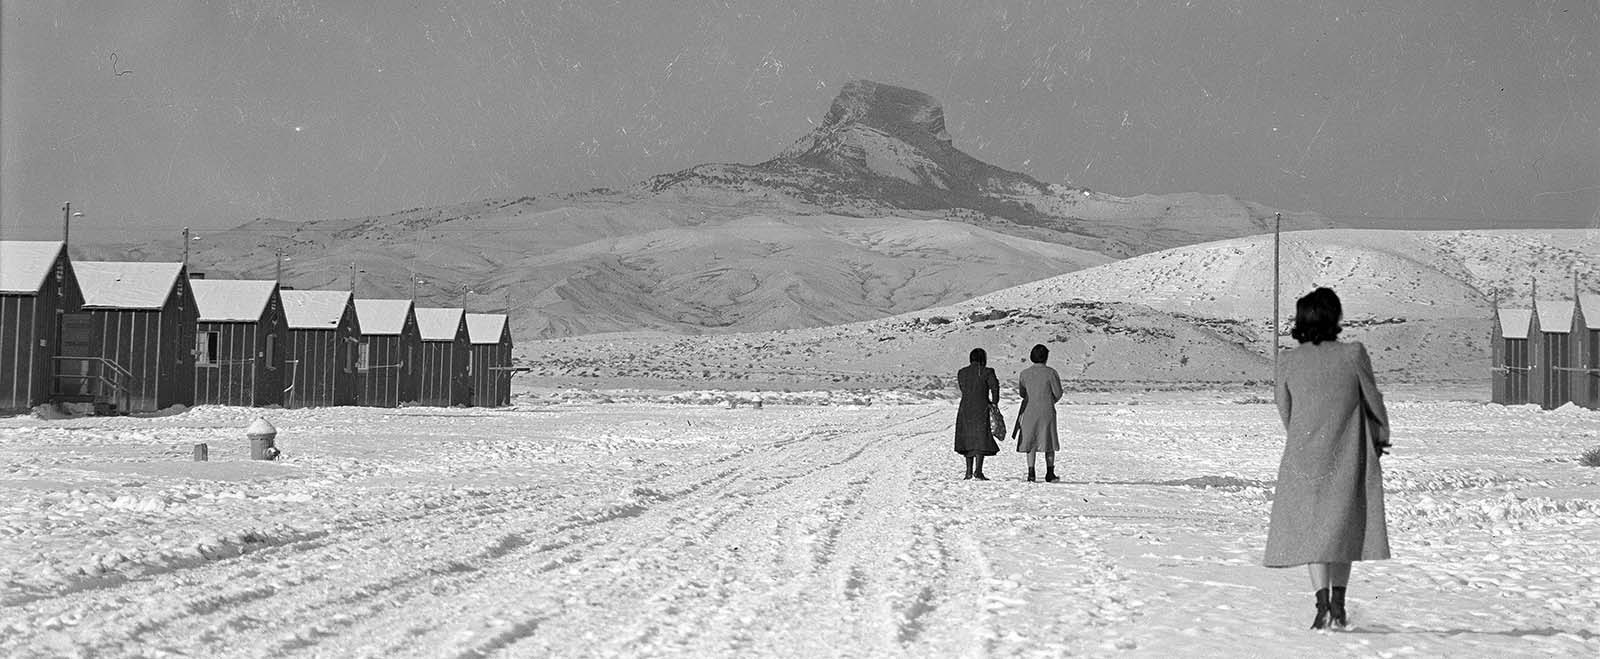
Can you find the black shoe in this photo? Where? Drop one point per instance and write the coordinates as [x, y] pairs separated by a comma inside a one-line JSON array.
[[979, 476], [1323, 609], [1030, 476], [968, 477], [1050, 476], [1336, 613]]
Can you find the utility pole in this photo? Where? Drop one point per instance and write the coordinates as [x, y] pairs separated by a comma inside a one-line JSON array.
[[352, 279], [1277, 242], [66, 223], [463, 297], [186, 248], [508, 302], [278, 263]]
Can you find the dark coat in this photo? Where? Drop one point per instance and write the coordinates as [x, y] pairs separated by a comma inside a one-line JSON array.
[[1328, 503], [979, 389]]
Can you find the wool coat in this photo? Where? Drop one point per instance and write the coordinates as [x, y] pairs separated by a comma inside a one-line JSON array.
[[1328, 503], [979, 389], [1040, 388]]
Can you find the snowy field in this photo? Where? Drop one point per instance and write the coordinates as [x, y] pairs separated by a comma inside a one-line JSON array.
[[817, 524]]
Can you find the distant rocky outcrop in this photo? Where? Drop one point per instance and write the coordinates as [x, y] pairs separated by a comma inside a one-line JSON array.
[[884, 149], [875, 131], [876, 212]]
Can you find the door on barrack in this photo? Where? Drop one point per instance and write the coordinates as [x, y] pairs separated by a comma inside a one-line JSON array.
[[73, 371]]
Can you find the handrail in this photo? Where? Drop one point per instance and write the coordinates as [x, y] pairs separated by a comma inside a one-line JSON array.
[[119, 390], [117, 368]]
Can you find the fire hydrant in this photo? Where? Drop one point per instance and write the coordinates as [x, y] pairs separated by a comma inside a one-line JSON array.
[[261, 435]]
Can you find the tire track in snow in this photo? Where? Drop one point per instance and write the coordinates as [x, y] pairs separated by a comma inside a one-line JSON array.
[[732, 571], [839, 495], [219, 606]]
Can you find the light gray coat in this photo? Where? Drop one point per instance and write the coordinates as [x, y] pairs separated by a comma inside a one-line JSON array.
[[1328, 504], [1040, 388]]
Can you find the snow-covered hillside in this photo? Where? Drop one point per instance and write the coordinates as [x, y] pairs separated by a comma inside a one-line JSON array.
[[1190, 316], [1379, 274], [630, 523]]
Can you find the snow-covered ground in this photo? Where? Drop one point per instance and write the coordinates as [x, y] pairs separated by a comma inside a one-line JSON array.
[[815, 524]]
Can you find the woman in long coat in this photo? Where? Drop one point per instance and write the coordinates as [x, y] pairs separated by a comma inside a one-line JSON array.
[[980, 390], [1040, 387], [1327, 511]]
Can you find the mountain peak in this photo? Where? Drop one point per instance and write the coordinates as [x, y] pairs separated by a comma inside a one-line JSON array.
[[893, 140], [898, 111]]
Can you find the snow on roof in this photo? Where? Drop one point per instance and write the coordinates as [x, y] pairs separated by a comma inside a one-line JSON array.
[[126, 284], [382, 316], [485, 328], [1591, 310], [1555, 316], [225, 300], [314, 309], [438, 324], [24, 264], [1514, 322]]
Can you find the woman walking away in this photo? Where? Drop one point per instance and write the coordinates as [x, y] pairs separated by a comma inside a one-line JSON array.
[[1035, 431], [1328, 508], [980, 389]]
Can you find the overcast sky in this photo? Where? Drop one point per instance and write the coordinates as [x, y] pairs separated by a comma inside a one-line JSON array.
[[151, 116]]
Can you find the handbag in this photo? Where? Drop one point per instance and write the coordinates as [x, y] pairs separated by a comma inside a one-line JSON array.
[[997, 423]]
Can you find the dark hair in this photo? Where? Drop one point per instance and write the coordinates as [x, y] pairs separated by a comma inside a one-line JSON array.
[[1317, 316], [1039, 354], [979, 356]]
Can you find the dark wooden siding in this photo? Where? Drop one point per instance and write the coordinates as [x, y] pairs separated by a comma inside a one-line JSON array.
[[1497, 360], [156, 350], [321, 369], [1555, 354], [25, 324], [272, 376], [439, 371], [490, 381], [1535, 364], [29, 341], [391, 376], [322, 366], [310, 364], [235, 377], [1514, 372], [379, 380], [1587, 390], [444, 379]]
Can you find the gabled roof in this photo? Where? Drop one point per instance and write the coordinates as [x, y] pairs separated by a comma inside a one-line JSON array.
[[1514, 322], [126, 284], [438, 324], [382, 316], [228, 300], [314, 309], [24, 264], [1591, 310], [485, 328], [1555, 316]]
